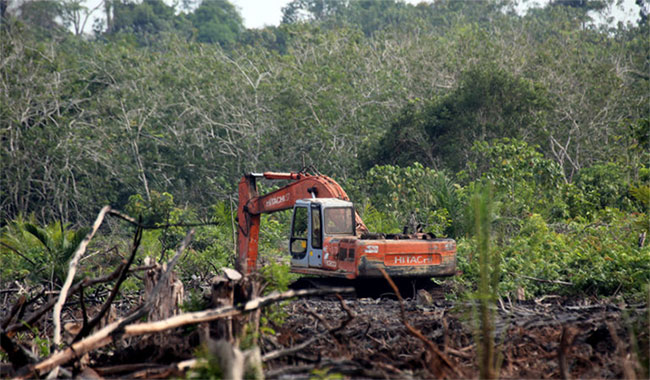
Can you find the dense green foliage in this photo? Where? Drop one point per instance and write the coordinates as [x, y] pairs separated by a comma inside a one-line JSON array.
[[487, 104], [411, 108]]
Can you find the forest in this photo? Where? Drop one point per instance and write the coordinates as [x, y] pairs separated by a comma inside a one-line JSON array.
[[521, 134]]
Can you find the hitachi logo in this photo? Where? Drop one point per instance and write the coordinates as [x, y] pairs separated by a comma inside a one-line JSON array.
[[404, 260], [277, 200]]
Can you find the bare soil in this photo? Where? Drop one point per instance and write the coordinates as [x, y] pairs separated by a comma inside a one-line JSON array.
[[593, 338]]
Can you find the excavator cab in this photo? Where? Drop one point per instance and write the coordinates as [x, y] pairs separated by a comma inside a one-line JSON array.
[[313, 221]]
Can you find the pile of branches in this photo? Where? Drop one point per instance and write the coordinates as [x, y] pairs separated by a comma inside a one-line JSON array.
[[72, 346]]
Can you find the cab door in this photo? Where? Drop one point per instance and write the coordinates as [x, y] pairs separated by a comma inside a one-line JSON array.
[[315, 236], [306, 242]]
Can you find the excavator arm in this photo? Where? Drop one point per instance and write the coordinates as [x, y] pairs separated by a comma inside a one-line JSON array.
[[252, 205]]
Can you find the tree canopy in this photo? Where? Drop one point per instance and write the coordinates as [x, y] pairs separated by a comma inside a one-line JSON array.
[[185, 99]]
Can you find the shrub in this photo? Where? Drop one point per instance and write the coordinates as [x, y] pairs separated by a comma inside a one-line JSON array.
[[41, 253], [599, 258]]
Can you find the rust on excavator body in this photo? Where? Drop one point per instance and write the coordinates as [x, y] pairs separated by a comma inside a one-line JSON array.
[[353, 258]]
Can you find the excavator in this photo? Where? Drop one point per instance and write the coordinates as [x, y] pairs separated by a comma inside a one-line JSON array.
[[329, 239]]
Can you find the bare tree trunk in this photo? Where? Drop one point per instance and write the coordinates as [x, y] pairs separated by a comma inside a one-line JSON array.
[[108, 9]]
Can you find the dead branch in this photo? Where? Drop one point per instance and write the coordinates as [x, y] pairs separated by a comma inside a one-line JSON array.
[[124, 270], [133, 221], [82, 304], [139, 369], [319, 317], [459, 353], [36, 315], [81, 249], [97, 340], [330, 330], [441, 365], [122, 368], [19, 305], [105, 336], [290, 350], [5, 291], [160, 372], [226, 311], [289, 370], [348, 311]]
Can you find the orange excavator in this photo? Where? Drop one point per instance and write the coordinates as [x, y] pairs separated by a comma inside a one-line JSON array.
[[329, 239]]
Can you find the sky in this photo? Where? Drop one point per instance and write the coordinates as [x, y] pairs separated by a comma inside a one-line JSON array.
[[261, 13], [258, 14]]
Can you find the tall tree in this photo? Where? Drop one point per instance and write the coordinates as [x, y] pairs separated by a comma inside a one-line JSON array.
[[147, 17], [217, 21]]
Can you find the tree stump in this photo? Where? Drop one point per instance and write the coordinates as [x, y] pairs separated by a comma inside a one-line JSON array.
[[168, 300], [223, 294], [228, 289]]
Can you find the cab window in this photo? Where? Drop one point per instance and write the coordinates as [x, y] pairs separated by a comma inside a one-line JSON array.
[[298, 242], [339, 221]]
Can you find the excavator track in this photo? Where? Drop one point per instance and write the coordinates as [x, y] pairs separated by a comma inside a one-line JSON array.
[[370, 287]]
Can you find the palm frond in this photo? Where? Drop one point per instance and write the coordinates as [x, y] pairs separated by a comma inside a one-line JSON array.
[[42, 236], [72, 244]]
